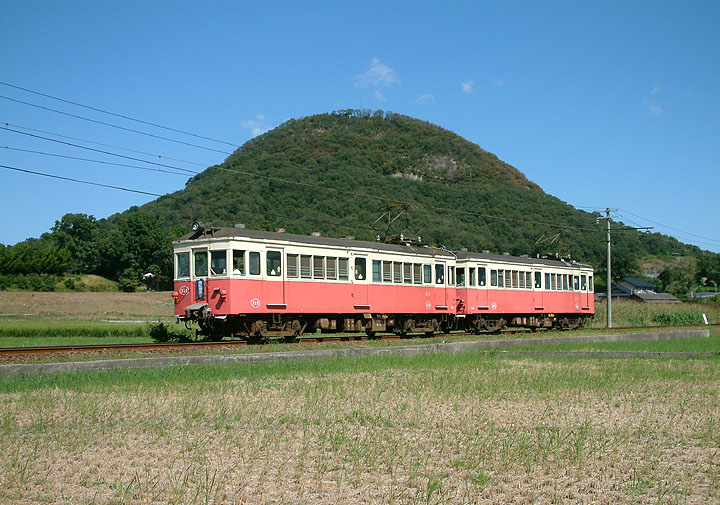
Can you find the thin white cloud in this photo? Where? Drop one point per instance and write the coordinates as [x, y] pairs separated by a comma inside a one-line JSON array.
[[467, 86], [379, 97], [257, 125], [379, 74], [655, 90], [425, 98], [497, 83], [654, 108]]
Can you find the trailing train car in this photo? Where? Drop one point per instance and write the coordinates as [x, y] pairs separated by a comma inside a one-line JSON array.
[[496, 291], [261, 285]]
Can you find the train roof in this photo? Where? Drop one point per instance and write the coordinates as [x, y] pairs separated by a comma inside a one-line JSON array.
[[552, 262], [243, 233]]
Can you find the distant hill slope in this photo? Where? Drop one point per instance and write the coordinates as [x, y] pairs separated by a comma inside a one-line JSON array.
[[332, 173]]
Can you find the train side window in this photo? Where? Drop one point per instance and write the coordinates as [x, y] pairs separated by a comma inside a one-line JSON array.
[[590, 283], [514, 279], [565, 282], [397, 271], [521, 280], [501, 278], [583, 282], [538, 280], [238, 262], [439, 274], [427, 274], [528, 280], [305, 266], [331, 267], [201, 264], [318, 267], [451, 276], [273, 262], [493, 278], [417, 273], [460, 277], [507, 278], [471, 276], [254, 263], [182, 265], [292, 265], [377, 271], [387, 271], [559, 282], [407, 273], [482, 280], [553, 285], [359, 269], [343, 269], [218, 263], [576, 283], [547, 281]]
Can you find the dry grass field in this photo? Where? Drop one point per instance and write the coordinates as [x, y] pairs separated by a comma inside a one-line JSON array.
[[109, 305], [434, 429]]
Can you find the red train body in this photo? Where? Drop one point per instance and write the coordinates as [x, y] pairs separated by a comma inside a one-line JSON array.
[[261, 285]]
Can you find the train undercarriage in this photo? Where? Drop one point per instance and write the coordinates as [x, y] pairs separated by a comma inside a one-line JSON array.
[[259, 328]]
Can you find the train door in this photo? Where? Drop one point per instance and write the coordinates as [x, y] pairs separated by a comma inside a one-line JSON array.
[[538, 293], [441, 294], [359, 281], [482, 288], [200, 274], [274, 285]]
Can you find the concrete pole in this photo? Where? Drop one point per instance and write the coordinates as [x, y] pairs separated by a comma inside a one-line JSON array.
[[609, 276]]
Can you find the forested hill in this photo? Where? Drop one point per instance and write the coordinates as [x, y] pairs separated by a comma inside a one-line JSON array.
[[333, 173]]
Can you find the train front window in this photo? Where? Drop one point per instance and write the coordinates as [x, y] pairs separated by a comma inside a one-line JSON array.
[[439, 274], [461, 277], [218, 263], [238, 262], [360, 269], [182, 265], [273, 263], [201, 264], [254, 263]]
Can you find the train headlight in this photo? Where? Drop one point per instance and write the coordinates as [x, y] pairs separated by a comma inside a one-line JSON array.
[[197, 226]]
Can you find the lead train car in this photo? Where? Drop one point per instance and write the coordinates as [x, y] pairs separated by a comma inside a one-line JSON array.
[[261, 285]]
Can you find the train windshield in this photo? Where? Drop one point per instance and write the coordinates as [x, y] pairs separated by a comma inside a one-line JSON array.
[[201, 264], [182, 265]]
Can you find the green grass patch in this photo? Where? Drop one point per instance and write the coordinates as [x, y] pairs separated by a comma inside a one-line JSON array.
[[21, 333], [700, 344]]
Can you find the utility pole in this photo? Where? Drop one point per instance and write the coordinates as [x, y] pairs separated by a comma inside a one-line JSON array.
[[609, 276]]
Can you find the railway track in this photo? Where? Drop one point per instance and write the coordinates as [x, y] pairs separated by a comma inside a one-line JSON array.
[[20, 353]]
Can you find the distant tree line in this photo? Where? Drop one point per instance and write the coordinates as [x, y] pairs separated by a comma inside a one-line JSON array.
[[135, 244]]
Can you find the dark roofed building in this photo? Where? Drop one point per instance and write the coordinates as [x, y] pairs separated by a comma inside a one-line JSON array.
[[638, 289]]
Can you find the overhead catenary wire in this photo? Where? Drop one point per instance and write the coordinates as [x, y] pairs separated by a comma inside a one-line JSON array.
[[671, 228], [123, 116], [105, 123]]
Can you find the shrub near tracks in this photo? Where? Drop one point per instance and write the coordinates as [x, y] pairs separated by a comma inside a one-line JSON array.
[[463, 428]]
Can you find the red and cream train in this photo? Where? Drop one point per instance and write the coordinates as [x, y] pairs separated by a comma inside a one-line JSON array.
[[265, 285]]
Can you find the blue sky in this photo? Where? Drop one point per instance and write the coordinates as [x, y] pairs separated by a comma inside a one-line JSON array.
[[603, 104]]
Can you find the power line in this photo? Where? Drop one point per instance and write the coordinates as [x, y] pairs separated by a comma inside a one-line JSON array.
[[78, 180], [117, 115], [671, 228], [92, 160], [194, 172], [107, 145], [114, 125]]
